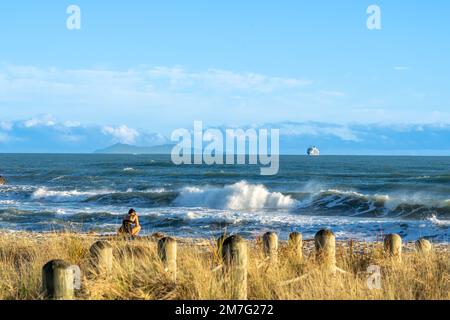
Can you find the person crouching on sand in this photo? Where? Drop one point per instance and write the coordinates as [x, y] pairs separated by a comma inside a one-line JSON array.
[[130, 224]]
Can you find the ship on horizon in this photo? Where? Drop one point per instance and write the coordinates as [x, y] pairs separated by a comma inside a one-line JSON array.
[[313, 151]]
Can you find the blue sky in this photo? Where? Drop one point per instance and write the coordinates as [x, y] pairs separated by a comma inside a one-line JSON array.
[[146, 67]]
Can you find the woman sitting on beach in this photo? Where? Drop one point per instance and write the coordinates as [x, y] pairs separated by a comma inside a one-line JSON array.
[[130, 224]]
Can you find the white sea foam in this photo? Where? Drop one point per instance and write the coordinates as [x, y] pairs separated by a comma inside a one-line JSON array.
[[8, 202], [129, 169], [345, 192], [238, 196], [156, 190], [434, 220], [63, 196], [151, 190], [57, 178], [350, 193], [16, 188]]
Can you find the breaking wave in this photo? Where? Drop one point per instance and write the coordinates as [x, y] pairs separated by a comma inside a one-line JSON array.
[[62, 196], [352, 203], [238, 196], [443, 223], [245, 196]]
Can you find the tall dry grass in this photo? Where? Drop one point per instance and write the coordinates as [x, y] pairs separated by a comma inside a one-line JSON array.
[[138, 273]]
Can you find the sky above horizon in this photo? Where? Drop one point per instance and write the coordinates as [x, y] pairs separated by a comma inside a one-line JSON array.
[[153, 66]]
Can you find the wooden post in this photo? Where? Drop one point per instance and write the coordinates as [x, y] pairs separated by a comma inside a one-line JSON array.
[[102, 257], [167, 251], [423, 246], [325, 244], [234, 256], [296, 245], [219, 244], [393, 246], [58, 279], [270, 245], [221, 240]]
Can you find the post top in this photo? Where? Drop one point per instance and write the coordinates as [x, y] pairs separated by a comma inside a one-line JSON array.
[[167, 240], [234, 239], [325, 233], [102, 244], [57, 263]]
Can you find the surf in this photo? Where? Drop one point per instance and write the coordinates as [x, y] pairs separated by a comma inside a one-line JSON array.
[[238, 196]]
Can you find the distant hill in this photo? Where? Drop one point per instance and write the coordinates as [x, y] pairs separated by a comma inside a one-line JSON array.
[[121, 148]]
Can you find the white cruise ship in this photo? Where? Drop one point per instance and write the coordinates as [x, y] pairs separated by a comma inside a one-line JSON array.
[[313, 152]]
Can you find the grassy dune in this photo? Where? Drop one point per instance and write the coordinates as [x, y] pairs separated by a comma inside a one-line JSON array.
[[139, 274]]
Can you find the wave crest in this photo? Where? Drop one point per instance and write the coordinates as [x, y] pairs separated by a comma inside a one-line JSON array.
[[238, 196], [63, 196], [341, 202]]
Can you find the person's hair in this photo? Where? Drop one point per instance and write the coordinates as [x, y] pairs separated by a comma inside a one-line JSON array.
[[131, 211]]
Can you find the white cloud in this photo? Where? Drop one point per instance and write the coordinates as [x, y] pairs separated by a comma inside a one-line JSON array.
[[44, 133], [5, 125], [226, 79], [343, 132], [139, 81], [166, 96], [154, 96], [46, 120], [295, 137], [122, 133], [162, 97]]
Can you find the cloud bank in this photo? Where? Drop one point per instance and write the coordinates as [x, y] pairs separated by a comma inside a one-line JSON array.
[[46, 134], [150, 95], [169, 96]]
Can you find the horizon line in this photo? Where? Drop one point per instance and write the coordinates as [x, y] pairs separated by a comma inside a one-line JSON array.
[[168, 154]]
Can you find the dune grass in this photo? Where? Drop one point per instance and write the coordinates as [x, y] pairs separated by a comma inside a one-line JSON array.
[[138, 273]]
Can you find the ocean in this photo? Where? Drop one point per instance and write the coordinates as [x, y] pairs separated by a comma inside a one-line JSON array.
[[358, 197]]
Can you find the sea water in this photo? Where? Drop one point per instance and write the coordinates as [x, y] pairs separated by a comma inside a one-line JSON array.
[[357, 197]]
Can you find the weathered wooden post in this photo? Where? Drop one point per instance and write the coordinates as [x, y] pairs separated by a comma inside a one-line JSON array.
[[270, 245], [58, 280], [167, 251], [102, 257], [393, 246], [325, 244], [221, 240], [296, 245], [423, 246], [234, 256]]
